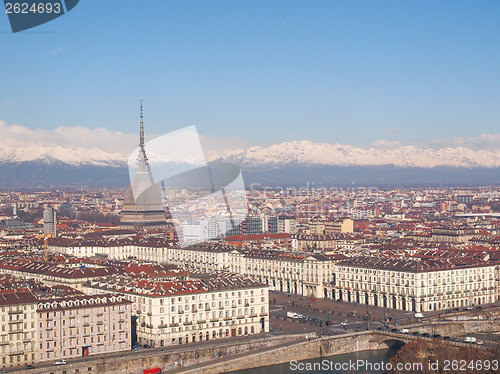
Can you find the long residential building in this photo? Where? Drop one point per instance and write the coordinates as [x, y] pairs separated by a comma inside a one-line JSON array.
[[208, 256], [56, 274], [295, 272], [181, 312], [417, 285], [302, 273]]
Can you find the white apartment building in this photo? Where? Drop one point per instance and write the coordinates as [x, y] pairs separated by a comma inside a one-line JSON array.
[[413, 285], [18, 340], [300, 273], [56, 274], [211, 256], [308, 242], [180, 312]]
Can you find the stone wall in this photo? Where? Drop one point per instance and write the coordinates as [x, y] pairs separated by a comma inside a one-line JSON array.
[[314, 348], [181, 357], [273, 350]]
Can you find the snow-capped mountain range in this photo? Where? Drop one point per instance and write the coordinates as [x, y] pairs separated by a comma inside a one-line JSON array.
[[311, 153], [56, 154], [276, 156]]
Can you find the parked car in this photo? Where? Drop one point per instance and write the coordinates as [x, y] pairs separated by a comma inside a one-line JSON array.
[[479, 307], [416, 333], [146, 346], [426, 335], [493, 306], [30, 366], [437, 336], [447, 338], [395, 330], [60, 362], [135, 348], [455, 339]]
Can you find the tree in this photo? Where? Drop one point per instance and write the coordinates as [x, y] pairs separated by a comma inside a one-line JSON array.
[[441, 352]]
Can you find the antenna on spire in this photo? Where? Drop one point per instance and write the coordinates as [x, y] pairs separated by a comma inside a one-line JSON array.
[[141, 137]]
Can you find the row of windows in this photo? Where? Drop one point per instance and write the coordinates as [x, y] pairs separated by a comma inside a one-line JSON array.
[[91, 340]]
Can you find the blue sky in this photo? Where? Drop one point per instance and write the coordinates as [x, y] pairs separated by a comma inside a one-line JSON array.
[[349, 72]]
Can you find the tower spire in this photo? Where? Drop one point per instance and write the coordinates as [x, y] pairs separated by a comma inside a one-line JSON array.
[[141, 138]]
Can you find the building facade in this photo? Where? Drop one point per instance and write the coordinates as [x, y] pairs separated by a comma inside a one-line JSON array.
[[413, 285], [171, 313], [81, 326], [18, 340]]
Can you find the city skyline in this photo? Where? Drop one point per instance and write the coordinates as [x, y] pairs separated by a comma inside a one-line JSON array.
[[366, 74]]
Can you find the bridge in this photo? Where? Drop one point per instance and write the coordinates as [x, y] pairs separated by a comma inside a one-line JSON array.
[[387, 339]]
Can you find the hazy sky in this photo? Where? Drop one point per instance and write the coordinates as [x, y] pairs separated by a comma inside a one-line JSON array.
[[349, 72]]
